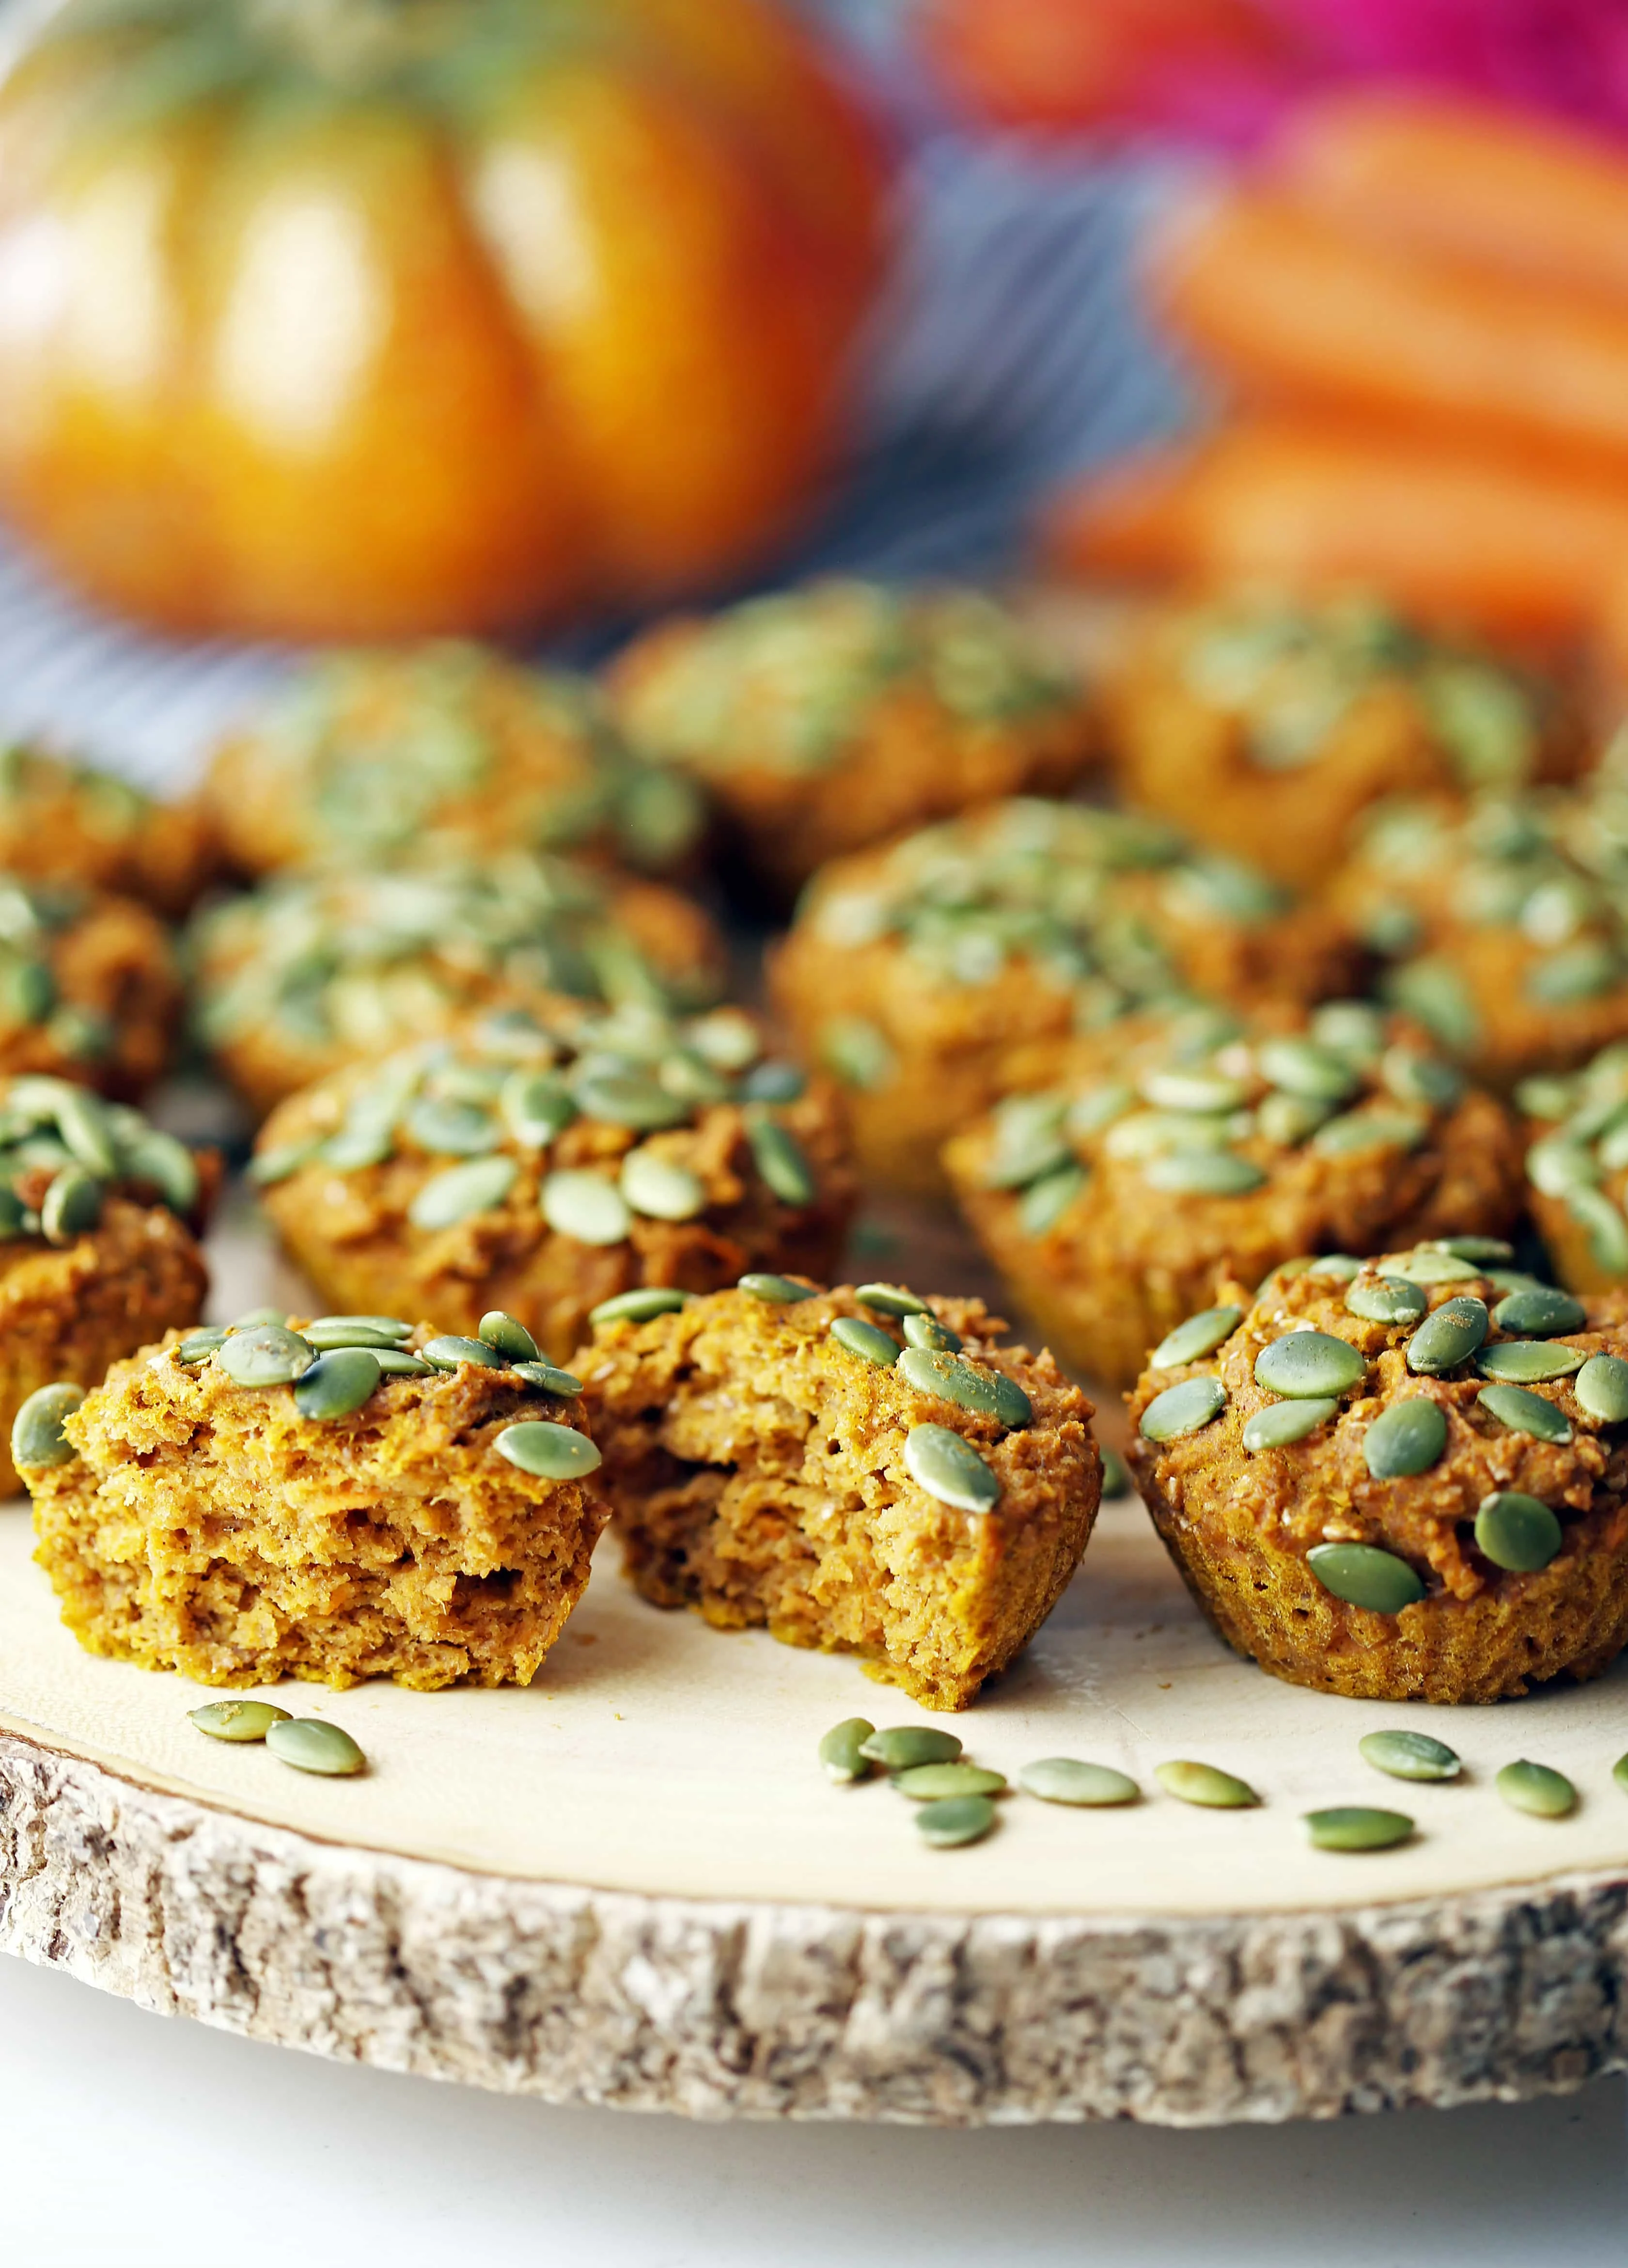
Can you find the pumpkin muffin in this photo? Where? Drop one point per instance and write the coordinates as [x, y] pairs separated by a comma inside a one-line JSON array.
[[441, 751], [76, 827], [866, 1472], [827, 717], [1406, 1480], [1505, 927], [918, 973], [98, 1251], [544, 1162], [311, 971], [373, 1501], [1577, 1168], [1138, 1168], [1267, 727], [89, 987]]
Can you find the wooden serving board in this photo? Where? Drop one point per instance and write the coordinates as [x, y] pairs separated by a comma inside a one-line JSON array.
[[631, 1882]]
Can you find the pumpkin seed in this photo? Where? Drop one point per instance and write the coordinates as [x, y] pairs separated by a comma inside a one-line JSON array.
[[988, 1392], [237, 1720], [890, 1300], [1437, 995], [1369, 1130], [927, 1331], [775, 1290], [546, 1451], [1608, 1231], [396, 1362], [841, 1751], [83, 1123], [1313, 1364], [536, 1107], [1043, 1204], [1286, 1120], [1525, 1412], [1029, 1141], [1408, 1755], [1537, 1788], [1281, 1423], [1517, 1532], [1338, 1267], [267, 1168], [1386, 1299], [1543, 1313], [901, 1748], [1182, 1409], [72, 1207], [461, 1192], [868, 1341], [1448, 1338], [1351, 1027], [198, 1346], [1619, 1772], [639, 1305], [1582, 972], [1117, 1480], [1472, 1247], [661, 1188], [450, 1130], [1203, 1173], [626, 1098], [1200, 1090], [509, 1337], [775, 1082], [257, 1316], [269, 1354], [961, 1819], [547, 1378], [329, 1331], [1428, 1263], [337, 1383], [857, 1052], [1065, 1780], [37, 1435], [937, 1783], [1558, 1165], [1206, 1784], [950, 1470], [1364, 1576], [1356, 1827], [1199, 1335], [585, 1206], [450, 1352], [312, 1744], [1301, 1066], [1601, 1389], [1408, 1438], [1414, 1078], [1529, 1362], [781, 1160]]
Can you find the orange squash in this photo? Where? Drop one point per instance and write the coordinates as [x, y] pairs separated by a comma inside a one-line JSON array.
[[376, 318]]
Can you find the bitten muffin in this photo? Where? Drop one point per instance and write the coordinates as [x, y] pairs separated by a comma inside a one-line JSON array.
[[251, 1505], [775, 1460], [544, 1163], [1504, 926], [446, 751], [89, 987], [1268, 726], [1403, 1480], [1145, 1164], [918, 973], [311, 971], [824, 718], [1577, 1168], [98, 1254], [74, 826]]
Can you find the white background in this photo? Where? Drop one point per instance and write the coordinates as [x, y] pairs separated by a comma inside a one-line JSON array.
[[131, 2141]]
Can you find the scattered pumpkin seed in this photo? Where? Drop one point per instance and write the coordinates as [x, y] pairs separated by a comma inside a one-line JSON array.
[[1406, 1438], [1365, 1576], [328, 1332], [1517, 1532], [641, 1305], [958, 1819], [1387, 1299], [448, 1351], [312, 1744], [1525, 1412], [585, 1206], [1066, 1779], [1529, 1362], [1408, 1755], [900, 1748], [782, 1161], [1448, 1338], [460, 1192], [868, 1341], [890, 1300], [661, 1189], [777, 1290], [927, 1331], [547, 1378], [1281, 1423], [548, 1451], [1182, 1409], [337, 1383], [1601, 1389], [937, 1783], [1537, 1788], [1356, 1827], [198, 1346], [987, 1393], [1313, 1364], [37, 1435], [267, 1354], [1205, 1784], [950, 1470], [1199, 1335], [1543, 1313], [508, 1336], [842, 1750], [1203, 1173], [237, 1720]]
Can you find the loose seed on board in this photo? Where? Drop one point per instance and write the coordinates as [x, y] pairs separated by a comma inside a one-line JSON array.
[[1281, 1423], [337, 1383], [1386, 1299], [312, 1744], [1543, 1313], [1182, 1409], [1066, 1779], [782, 1160], [1408, 1438], [237, 1720], [269, 1354], [1516, 1531], [1363, 1575], [961, 1819], [1525, 1412], [447, 1351], [328, 1332], [774, 1291], [1199, 1335], [1537, 1788], [927, 1331], [842, 1750], [549, 1378], [1206, 1784], [937, 1783], [1601, 1389], [1309, 1362], [868, 1341], [1529, 1362], [987, 1393], [900, 1747], [1408, 1755], [508, 1336], [461, 1192], [586, 1206], [890, 1300], [1356, 1827], [1448, 1337], [950, 1470], [640, 1305], [546, 1451], [37, 1435]]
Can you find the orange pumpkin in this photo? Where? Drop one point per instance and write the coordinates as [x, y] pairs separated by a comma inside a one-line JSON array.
[[373, 317]]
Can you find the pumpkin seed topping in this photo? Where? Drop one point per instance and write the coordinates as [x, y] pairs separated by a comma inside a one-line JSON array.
[[266, 1354], [868, 1341], [1281, 1423], [1066, 1779], [958, 1819], [1199, 1335], [782, 1161], [396, 1362], [510, 1337], [1449, 1338], [1313, 1364], [586, 1206], [1601, 1388], [1365, 1576], [1203, 1173], [937, 1783], [462, 1192], [1408, 1438], [1525, 1412], [1537, 1789], [336, 1384], [37, 1437], [237, 1720], [774, 1291], [1529, 1362], [1356, 1827], [927, 1331], [900, 1747], [451, 1353], [988, 1393], [1182, 1409], [1544, 1313], [950, 1470], [890, 1300], [841, 1751], [1407, 1754], [1301, 1066], [641, 1305], [549, 1379], [328, 1332], [198, 1346], [1205, 1784], [1043, 1204], [546, 1451], [1386, 1299], [312, 1744], [1517, 1532], [660, 1188]]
